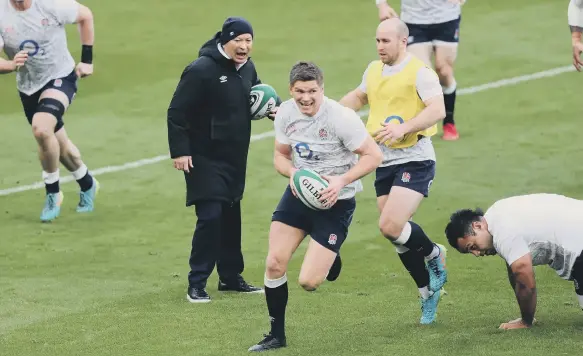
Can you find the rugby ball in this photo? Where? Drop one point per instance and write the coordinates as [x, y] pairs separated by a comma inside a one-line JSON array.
[[308, 185], [263, 99]]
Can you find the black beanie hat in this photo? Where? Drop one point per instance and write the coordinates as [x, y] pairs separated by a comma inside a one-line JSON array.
[[233, 27]]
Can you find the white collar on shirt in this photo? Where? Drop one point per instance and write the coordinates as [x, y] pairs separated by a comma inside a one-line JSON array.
[[397, 67], [227, 56]]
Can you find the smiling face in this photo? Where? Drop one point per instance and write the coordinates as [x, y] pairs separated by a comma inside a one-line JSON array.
[[308, 96], [306, 86], [239, 48]]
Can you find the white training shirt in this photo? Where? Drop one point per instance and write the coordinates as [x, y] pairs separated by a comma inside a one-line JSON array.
[[424, 12], [547, 226], [428, 86], [575, 13], [41, 31], [324, 142]]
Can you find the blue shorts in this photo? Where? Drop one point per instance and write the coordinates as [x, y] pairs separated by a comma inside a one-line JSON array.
[[329, 227], [67, 85], [416, 176], [432, 33]]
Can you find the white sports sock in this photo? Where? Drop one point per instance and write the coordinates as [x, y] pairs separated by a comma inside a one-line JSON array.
[[424, 292], [80, 173], [450, 89], [580, 301], [405, 234], [274, 283], [434, 253], [50, 178]]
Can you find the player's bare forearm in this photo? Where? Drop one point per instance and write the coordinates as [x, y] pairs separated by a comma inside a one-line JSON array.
[[524, 288], [355, 100], [511, 277], [432, 114], [282, 160], [6, 66], [576, 34], [526, 297], [86, 26], [370, 158]]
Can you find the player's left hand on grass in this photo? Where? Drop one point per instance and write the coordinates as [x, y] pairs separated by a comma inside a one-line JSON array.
[[577, 60], [84, 70], [515, 324], [390, 133], [330, 194]]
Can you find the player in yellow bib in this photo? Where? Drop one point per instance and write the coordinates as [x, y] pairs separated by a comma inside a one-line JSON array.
[[406, 103]]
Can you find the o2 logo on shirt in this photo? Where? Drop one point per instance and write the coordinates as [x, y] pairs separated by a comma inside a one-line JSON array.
[[32, 47], [394, 119], [304, 151]]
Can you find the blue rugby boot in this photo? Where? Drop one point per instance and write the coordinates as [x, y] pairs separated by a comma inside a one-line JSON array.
[[437, 271], [429, 308], [87, 199], [52, 207]]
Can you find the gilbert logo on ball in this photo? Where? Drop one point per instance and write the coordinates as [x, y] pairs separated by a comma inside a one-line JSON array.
[[309, 186]]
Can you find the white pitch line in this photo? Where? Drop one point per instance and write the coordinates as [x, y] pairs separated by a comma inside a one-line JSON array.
[[147, 161]]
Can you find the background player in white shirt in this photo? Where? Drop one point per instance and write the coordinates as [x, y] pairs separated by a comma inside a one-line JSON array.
[[575, 18], [526, 231], [433, 29], [312, 131], [33, 37]]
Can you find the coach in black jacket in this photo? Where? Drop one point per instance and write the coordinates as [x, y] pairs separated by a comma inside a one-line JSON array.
[[209, 130]]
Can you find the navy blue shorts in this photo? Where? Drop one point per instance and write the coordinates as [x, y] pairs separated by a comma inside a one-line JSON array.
[[327, 227], [67, 85], [416, 176], [431, 33]]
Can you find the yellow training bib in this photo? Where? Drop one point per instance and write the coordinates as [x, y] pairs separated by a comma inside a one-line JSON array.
[[394, 99]]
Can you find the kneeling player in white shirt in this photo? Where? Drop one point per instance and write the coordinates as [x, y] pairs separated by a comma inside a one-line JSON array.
[[312, 131], [575, 17], [32, 34], [526, 231]]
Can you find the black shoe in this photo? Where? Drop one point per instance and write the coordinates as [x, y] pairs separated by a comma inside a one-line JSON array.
[[197, 295], [335, 269], [238, 285], [269, 343]]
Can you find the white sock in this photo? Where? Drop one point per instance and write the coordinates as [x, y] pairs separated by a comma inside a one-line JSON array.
[[580, 301], [405, 234], [80, 173], [50, 178], [450, 89], [274, 283], [424, 292], [434, 253]]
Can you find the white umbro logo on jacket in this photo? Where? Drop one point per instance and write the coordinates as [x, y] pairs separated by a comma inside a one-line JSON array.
[[223, 79]]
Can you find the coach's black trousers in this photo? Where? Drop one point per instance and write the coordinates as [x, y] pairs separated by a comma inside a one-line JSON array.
[[216, 240]]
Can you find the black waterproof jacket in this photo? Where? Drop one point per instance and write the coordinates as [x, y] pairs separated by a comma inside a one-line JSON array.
[[209, 119]]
